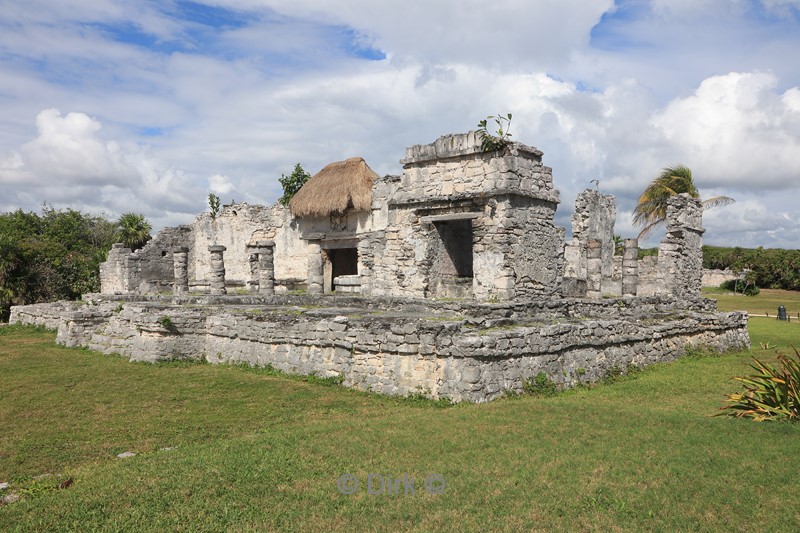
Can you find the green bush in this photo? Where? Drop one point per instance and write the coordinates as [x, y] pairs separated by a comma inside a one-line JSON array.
[[540, 385], [770, 393], [740, 286]]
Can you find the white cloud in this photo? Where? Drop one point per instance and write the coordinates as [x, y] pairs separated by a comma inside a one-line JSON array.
[[68, 148], [736, 128], [219, 184]]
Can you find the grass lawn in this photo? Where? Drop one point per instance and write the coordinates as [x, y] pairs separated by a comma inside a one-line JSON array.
[[251, 450], [767, 301]]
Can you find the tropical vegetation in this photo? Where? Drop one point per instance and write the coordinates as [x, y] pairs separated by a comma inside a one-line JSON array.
[[651, 209], [134, 230], [56, 255]]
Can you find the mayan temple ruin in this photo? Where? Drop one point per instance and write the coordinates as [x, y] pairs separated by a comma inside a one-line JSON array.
[[451, 280]]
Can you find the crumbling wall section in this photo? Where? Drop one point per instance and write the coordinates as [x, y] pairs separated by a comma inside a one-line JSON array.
[[593, 219], [119, 274]]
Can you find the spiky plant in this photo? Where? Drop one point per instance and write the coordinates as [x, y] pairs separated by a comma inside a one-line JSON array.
[[770, 393], [651, 209]]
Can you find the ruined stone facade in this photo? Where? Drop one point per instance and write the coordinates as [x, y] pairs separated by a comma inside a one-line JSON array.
[[454, 282], [592, 220]]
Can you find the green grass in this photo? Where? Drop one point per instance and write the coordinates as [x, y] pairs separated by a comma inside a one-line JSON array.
[[255, 450], [767, 301]]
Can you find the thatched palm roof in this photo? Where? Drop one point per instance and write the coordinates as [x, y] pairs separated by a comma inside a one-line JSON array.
[[335, 189]]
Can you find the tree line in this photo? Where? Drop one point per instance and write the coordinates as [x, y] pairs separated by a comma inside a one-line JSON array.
[[767, 268], [56, 255]]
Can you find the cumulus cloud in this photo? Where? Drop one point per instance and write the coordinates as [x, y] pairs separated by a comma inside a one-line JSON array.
[[68, 148], [69, 162], [735, 128], [594, 84]]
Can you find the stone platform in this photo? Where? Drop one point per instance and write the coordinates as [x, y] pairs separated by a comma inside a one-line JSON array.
[[461, 350]]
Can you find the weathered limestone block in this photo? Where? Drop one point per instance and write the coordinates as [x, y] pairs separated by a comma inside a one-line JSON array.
[[594, 268], [180, 263], [217, 270], [630, 267]]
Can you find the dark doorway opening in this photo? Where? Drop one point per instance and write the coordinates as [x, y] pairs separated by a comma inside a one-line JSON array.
[[344, 262], [456, 236]]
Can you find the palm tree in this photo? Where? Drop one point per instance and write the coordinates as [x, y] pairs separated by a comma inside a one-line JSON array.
[[134, 230], [651, 209]]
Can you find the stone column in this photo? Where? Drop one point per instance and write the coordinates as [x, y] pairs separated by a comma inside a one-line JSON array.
[[252, 281], [266, 267], [315, 267], [630, 267], [594, 268], [180, 265], [217, 275]]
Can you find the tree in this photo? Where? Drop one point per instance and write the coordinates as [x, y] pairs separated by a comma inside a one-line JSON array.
[[292, 183], [134, 230], [651, 209]]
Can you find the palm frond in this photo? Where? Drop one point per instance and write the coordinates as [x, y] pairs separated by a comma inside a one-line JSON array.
[[718, 201]]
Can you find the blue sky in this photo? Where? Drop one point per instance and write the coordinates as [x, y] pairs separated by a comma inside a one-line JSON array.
[[111, 106]]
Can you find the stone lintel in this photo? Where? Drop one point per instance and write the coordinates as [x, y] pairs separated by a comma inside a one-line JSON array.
[[180, 250], [216, 248], [467, 215], [338, 244], [313, 236], [261, 244]]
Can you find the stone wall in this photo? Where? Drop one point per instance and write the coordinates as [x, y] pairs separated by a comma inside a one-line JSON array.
[[716, 277], [445, 351]]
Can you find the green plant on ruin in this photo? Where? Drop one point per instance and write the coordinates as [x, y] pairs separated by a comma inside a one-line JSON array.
[[769, 394], [540, 385], [166, 323], [213, 205], [502, 136]]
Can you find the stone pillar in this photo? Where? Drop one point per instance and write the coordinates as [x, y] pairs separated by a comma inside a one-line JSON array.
[[680, 255], [594, 268], [217, 275], [266, 264], [180, 265], [315, 267], [630, 267]]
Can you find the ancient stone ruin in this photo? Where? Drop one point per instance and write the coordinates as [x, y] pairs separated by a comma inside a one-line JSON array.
[[451, 280]]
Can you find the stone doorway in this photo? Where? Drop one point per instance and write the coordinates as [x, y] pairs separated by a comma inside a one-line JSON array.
[[340, 260]]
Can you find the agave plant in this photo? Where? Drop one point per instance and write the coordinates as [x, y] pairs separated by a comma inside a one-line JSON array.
[[769, 394]]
